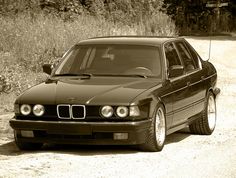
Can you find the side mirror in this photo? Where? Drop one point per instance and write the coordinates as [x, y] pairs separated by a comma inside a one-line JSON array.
[[47, 68], [176, 71]]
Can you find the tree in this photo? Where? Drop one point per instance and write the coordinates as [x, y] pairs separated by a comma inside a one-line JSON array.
[[193, 16]]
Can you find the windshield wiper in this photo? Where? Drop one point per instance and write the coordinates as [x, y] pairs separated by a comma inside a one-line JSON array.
[[86, 74], [73, 74], [120, 75], [68, 74], [137, 75]]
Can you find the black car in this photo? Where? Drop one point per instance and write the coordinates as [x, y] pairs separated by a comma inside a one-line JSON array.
[[125, 90]]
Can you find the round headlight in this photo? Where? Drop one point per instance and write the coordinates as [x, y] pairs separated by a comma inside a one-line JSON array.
[[38, 110], [107, 111], [122, 111], [25, 109]]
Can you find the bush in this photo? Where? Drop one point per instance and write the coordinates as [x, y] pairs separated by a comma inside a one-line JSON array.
[[29, 40]]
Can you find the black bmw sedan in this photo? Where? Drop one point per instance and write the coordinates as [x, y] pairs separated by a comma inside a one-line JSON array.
[[124, 90]]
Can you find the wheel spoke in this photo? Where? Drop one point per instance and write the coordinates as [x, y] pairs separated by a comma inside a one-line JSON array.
[[211, 114], [160, 127]]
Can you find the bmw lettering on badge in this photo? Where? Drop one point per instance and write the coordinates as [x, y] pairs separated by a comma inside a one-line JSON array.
[[124, 90]]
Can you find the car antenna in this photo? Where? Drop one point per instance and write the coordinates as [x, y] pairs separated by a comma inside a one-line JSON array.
[[209, 52]]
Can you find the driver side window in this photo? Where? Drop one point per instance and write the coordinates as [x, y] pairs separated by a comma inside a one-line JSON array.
[[172, 58], [189, 64]]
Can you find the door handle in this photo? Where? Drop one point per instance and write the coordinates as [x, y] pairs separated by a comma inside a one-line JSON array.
[[202, 77], [188, 84]]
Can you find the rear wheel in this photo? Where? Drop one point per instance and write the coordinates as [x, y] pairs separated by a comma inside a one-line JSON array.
[[206, 124], [26, 145], [157, 132]]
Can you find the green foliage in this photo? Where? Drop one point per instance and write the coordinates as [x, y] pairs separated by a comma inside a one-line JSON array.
[[16, 6], [27, 42], [117, 10], [192, 16], [34, 32]]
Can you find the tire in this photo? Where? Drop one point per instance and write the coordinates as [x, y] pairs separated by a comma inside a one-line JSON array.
[[205, 125], [157, 132], [26, 145]]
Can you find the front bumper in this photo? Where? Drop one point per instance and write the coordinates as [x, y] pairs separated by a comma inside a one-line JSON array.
[[86, 133]]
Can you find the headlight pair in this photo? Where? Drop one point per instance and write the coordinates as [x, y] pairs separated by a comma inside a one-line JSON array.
[[38, 109], [120, 111]]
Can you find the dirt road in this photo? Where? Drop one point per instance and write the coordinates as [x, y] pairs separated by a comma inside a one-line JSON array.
[[184, 155]]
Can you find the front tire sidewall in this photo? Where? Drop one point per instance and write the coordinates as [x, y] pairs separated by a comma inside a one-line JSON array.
[[151, 144], [202, 125], [159, 144], [206, 114]]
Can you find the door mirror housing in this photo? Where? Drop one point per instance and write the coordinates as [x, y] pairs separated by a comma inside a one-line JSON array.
[[47, 68], [176, 71]]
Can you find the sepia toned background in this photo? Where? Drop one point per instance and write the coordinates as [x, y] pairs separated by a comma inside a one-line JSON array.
[[33, 32]]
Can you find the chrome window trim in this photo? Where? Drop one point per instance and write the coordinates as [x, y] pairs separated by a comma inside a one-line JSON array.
[[71, 111]]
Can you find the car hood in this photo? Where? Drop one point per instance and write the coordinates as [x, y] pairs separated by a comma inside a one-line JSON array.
[[92, 91]]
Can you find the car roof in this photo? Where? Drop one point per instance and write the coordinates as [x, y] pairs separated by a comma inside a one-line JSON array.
[[130, 40]]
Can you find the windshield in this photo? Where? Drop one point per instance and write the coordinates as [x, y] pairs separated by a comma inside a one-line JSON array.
[[111, 60]]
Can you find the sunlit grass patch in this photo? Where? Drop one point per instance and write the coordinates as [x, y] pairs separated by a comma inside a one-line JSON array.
[[29, 40]]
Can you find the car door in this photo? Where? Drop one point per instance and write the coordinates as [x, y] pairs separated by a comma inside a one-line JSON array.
[[198, 85], [193, 70], [179, 87]]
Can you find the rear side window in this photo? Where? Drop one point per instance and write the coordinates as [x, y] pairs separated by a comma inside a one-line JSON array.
[[195, 56], [186, 57]]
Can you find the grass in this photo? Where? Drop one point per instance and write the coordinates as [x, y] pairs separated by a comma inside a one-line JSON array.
[[6, 103], [28, 40]]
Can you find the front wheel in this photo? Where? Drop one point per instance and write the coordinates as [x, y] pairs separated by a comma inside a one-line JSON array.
[[206, 124], [26, 145], [157, 132]]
